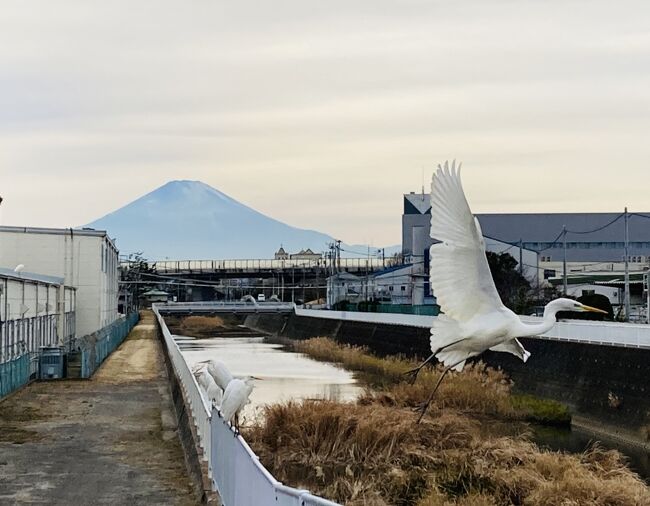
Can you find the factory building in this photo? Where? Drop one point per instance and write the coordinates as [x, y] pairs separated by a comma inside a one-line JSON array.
[[35, 311], [86, 260], [416, 241], [594, 245], [595, 242]]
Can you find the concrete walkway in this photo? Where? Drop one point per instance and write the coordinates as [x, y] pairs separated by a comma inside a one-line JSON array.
[[106, 441]]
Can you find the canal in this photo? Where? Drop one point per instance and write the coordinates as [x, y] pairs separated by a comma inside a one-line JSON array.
[[286, 375]]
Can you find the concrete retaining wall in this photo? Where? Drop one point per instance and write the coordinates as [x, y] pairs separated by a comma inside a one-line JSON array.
[[196, 467], [607, 384]]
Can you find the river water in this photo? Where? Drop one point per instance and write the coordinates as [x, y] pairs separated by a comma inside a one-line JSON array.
[[286, 375]]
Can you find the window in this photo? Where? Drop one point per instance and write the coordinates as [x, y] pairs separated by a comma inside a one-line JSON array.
[[549, 273], [403, 288]]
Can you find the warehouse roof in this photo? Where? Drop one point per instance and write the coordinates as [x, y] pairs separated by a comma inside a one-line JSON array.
[[30, 276], [581, 227]]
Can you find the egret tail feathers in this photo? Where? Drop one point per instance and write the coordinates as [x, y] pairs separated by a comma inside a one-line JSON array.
[[454, 358], [445, 333]]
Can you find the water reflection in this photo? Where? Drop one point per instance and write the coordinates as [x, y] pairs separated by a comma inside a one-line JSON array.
[[284, 375], [578, 440]]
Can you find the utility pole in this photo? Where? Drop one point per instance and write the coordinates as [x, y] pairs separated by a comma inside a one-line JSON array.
[[338, 256], [627, 267], [564, 275], [521, 257]]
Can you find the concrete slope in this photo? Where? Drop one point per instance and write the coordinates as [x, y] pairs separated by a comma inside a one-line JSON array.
[[106, 441]]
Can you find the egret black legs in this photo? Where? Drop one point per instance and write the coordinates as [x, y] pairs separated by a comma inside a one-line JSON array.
[[412, 375], [425, 406], [236, 424]]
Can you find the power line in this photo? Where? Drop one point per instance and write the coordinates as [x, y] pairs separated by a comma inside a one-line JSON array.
[[362, 255], [567, 231], [552, 244], [597, 229]]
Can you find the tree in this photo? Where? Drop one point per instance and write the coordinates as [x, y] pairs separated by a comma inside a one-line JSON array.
[[594, 300], [135, 277], [513, 288]]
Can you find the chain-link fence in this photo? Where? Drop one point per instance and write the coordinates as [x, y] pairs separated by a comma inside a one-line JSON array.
[[94, 348]]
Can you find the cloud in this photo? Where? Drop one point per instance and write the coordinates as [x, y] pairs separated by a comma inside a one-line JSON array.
[[317, 112]]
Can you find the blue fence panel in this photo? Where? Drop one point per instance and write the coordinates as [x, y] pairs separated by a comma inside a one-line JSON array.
[[106, 341], [14, 374]]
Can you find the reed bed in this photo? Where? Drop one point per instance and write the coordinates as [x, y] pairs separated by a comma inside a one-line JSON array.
[[201, 323], [372, 453], [478, 389]]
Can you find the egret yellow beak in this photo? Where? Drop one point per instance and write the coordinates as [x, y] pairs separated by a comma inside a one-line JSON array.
[[593, 309]]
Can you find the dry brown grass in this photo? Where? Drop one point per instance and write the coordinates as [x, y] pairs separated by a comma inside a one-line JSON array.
[[477, 389], [201, 323], [372, 454]]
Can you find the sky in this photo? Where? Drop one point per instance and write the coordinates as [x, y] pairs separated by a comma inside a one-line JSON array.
[[323, 113]]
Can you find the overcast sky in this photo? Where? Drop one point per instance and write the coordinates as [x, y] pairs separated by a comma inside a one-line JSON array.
[[322, 113]]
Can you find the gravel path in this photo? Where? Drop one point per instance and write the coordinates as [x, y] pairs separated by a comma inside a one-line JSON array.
[[110, 440]]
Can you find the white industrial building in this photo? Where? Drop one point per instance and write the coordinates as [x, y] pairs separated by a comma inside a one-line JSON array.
[[85, 259], [29, 312]]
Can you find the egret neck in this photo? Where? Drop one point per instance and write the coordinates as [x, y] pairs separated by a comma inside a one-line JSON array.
[[548, 322]]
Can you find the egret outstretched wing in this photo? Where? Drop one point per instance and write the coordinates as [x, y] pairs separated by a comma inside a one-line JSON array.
[[460, 275]]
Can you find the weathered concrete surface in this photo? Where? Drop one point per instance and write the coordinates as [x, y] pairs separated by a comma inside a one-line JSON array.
[[110, 440]]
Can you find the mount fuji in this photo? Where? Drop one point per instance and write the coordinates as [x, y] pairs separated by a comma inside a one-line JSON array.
[[191, 220]]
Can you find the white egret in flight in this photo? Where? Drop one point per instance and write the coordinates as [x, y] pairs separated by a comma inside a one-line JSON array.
[[474, 319], [236, 396]]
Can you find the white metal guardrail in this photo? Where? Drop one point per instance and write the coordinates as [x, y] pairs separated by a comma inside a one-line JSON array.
[[225, 307], [234, 469], [629, 335], [409, 320], [199, 407]]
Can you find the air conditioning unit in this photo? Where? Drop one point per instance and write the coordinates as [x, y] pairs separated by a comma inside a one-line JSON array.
[[51, 363]]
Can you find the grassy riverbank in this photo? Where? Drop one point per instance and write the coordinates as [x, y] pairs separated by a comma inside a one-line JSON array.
[[478, 389], [471, 449]]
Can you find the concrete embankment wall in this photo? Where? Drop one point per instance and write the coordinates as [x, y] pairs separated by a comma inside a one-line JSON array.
[[607, 385], [196, 467]]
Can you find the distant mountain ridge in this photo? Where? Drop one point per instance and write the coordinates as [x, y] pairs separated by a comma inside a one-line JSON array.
[[191, 220]]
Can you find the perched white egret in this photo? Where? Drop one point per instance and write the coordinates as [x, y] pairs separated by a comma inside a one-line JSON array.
[[19, 268], [249, 298], [236, 396], [212, 390], [474, 319], [217, 369]]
